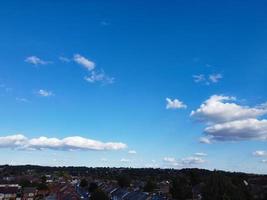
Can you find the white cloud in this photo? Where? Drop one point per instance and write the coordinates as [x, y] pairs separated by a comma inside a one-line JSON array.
[[132, 152], [36, 60], [200, 154], [45, 93], [94, 76], [207, 79], [64, 59], [184, 162], [68, 143], [199, 78], [12, 141], [260, 153], [125, 160], [22, 100], [99, 77], [214, 78], [169, 159], [228, 121], [205, 140], [247, 129], [88, 64], [220, 108], [193, 160], [174, 104]]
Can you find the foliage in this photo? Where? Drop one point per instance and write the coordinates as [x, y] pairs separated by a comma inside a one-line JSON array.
[[42, 186], [25, 183], [220, 187], [150, 186], [124, 181], [180, 188], [92, 187], [99, 195], [84, 183]]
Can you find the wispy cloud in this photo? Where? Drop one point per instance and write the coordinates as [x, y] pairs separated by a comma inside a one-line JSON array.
[[85, 62], [184, 162], [99, 77], [105, 23], [207, 79], [125, 160], [193, 160], [205, 140], [132, 152], [94, 76], [214, 78], [22, 99], [69, 143], [200, 154], [199, 78], [170, 159], [5, 87], [36, 60], [64, 59], [174, 104], [45, 93]]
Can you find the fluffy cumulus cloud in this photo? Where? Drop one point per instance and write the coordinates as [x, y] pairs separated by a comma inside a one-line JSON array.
[[174, 104], [220, 108], [45, 93], [68, 143], [85, 62], [260, 153], [239, 130], [36, 60], [227, 120]]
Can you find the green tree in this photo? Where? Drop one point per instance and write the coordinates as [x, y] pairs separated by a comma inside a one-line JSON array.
[[92, 187], [25, 183], [221, 187], [124, 181], [43, 179], [42, 186], [99, 195], [150, 186], [180, 189], [84, 183]]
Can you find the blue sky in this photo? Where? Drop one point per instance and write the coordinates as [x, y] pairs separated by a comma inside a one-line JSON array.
[[87, 73]]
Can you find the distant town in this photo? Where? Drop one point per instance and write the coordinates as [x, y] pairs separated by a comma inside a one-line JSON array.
[[30, 182]]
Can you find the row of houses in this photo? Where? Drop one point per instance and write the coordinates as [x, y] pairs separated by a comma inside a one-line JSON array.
[[62, 191], [116, 193]]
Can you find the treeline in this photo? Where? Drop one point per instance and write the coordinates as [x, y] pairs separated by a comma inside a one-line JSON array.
[[184, 183]]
